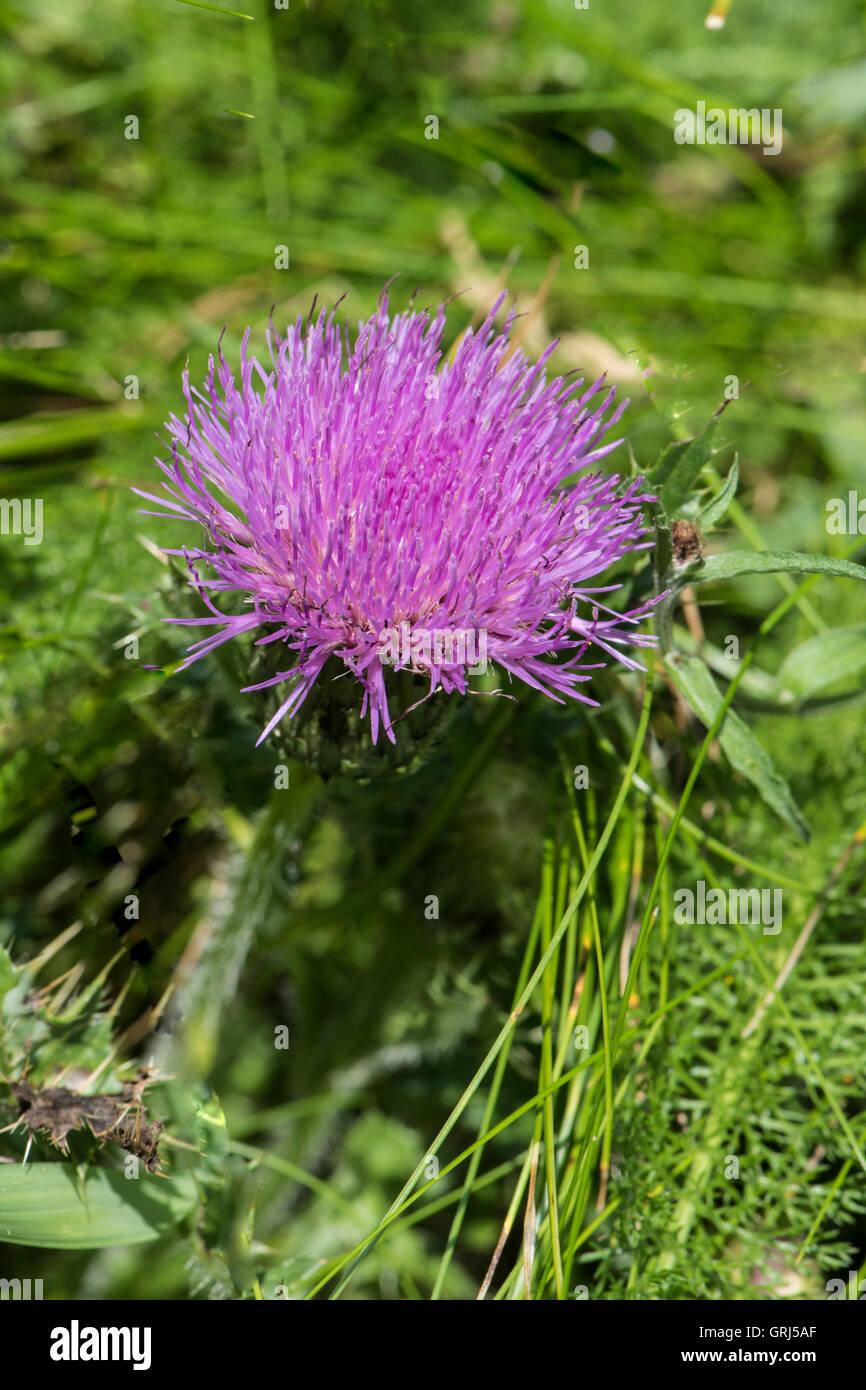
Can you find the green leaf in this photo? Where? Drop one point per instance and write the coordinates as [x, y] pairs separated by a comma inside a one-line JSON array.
[[663, 551], [737, 562], [823, 660], [212, 1134], [8, 973], [681, 465], [715, 510], [694, 681], [667, 461], [46, 1204], [662, 558]]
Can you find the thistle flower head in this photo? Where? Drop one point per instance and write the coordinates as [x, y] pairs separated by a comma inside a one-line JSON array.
[[386, 505]]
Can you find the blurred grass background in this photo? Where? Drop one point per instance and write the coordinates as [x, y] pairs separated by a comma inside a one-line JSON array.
[[127, 258]]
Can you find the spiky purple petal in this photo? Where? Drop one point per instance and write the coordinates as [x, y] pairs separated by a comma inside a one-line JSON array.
[[357, 486]]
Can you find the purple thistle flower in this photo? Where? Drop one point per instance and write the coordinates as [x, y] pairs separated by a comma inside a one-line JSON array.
[[356, 490]]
